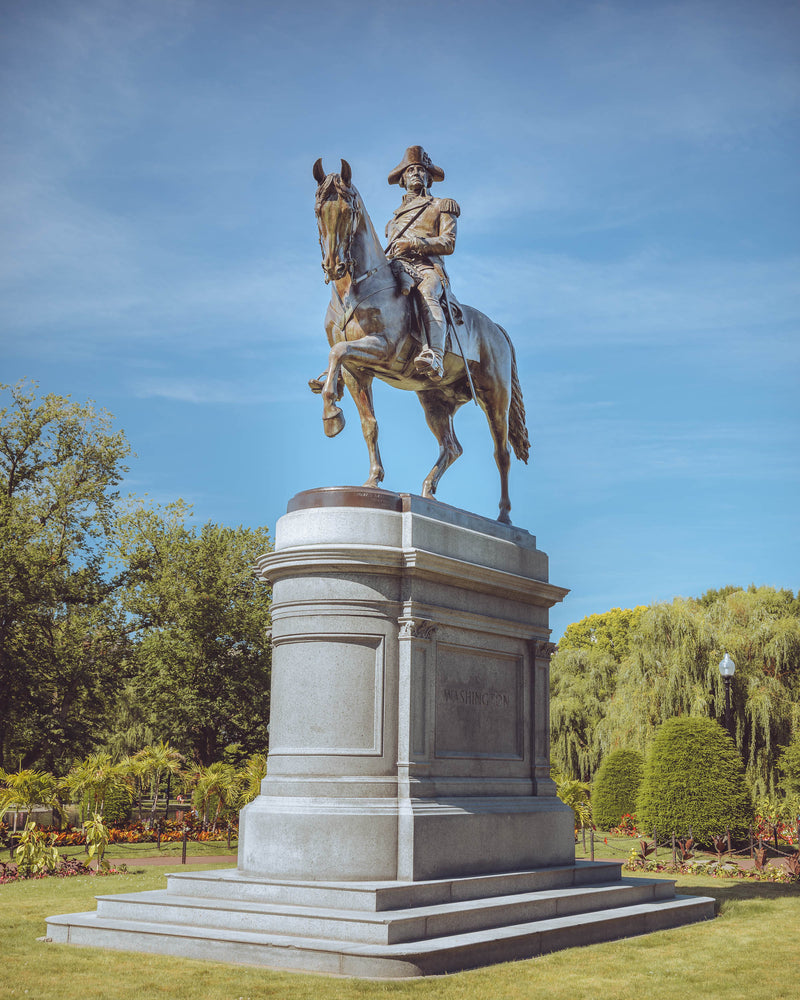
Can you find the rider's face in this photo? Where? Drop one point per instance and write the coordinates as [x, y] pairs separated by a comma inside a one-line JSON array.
[[416, 178]]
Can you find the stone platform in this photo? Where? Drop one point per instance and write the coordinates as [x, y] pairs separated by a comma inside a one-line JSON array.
[[382, 929], [408, 823]]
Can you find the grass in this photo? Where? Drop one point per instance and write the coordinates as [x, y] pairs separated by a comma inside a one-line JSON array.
[[752, 951], [129, 853]]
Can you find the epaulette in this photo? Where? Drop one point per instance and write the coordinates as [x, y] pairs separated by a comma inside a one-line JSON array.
[[449, 206]]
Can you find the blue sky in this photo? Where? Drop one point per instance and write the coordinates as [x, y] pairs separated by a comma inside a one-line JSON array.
[[628, 180]]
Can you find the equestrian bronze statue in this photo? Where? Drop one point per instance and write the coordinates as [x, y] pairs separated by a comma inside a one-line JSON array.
[[393, 318]]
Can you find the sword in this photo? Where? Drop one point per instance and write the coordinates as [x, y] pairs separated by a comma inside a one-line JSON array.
[[452, 325]]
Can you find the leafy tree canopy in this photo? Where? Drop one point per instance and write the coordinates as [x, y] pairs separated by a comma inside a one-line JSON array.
[[671, 667], [120, 625], [609, 632], [200, 620], [60, 465]]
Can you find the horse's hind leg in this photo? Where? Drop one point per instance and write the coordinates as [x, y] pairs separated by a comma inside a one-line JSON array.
[[439, 412], [494, 400], [361, 391]]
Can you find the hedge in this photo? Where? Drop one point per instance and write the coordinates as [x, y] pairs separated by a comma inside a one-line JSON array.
[[694, 781], [615, 787]]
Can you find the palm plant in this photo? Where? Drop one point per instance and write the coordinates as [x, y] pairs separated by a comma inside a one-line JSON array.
[[575, 794], [154, 762], [25, 789], [93, 778], [218, 788], [250, 777]]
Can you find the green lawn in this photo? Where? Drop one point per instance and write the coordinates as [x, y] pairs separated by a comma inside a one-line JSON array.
[[751, 951], [128, 853]]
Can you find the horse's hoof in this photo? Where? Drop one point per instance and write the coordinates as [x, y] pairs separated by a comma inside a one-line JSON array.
[[504, 518], [333, 424], [316, 386]]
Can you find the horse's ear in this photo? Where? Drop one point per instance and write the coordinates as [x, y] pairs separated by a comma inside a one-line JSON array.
[[319, 173], [347, 173]]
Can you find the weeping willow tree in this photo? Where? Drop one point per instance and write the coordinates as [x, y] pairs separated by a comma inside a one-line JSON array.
[[667, 665], [582, 685]]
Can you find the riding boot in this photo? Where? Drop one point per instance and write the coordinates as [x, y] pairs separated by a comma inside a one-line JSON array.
[[430, 361]]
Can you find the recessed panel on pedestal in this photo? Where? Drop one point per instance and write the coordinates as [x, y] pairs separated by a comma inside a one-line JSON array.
[[329, 691], [479, 703]]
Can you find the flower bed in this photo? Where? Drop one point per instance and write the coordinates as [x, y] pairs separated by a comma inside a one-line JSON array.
[[139, 833], [715, 869], [68, 867]]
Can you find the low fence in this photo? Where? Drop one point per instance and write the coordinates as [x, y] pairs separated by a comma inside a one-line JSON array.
[[682, 849]]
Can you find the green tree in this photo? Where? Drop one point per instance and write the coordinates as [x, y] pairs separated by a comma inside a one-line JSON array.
[[582, 680], [694, 781], [201, 620], [60, 633], [600, 703], [789, 766], [610, 632], [616, 786]]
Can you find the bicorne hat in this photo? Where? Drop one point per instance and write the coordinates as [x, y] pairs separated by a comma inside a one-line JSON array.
[[416, 155]]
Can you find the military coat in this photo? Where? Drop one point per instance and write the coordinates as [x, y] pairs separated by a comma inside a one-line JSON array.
[[430, 225]]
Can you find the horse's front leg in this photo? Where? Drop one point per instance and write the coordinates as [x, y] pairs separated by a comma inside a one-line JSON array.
[[364, 349], [332, 416], [361, 390]]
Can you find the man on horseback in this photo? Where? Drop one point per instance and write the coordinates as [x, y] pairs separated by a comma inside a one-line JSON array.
[[422, 231]]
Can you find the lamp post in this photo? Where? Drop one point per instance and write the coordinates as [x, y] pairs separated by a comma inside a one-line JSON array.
[[727, 668]]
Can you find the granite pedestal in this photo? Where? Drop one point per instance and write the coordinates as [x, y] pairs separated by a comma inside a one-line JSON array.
[[408, 823]]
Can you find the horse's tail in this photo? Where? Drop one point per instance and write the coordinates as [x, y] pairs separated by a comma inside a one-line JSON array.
[[517, 431]]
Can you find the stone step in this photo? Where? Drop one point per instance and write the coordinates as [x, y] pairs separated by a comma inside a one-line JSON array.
[[230, 883], [449, 953], [385, 927]]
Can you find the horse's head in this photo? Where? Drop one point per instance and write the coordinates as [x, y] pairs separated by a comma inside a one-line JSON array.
[[337, 211]]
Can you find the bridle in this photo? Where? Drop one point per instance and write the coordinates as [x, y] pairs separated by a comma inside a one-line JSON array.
[[348, 195]]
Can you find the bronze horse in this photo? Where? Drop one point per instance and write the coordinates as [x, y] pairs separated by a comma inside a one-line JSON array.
[[370, 325]]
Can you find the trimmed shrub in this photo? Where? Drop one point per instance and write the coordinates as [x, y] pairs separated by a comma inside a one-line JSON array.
[[616, 786], [117, 807], [694, 780]]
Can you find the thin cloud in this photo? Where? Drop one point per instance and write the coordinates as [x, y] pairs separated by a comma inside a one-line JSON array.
[[636, 299], [204, 391]]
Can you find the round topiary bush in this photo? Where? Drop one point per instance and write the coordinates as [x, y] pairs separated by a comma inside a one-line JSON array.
[[694, 780], [615, 787]]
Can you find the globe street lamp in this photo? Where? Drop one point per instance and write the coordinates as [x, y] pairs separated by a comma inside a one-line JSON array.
[[727, 668]]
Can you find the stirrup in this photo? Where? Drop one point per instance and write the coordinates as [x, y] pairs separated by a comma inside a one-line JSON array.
[[426, 363], [316, 385]]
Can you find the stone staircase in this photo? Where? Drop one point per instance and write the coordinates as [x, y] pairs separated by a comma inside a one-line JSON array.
[[382, 929]]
